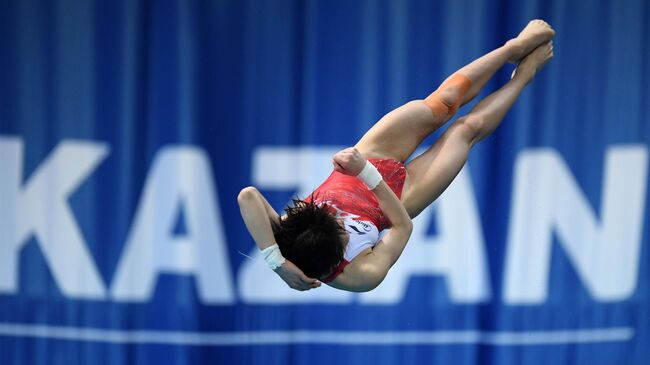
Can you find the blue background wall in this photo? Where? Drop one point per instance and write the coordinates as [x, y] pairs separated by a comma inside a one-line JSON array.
[[233, 78]]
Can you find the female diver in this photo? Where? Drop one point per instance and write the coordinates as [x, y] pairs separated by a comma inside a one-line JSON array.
[[332, 236]]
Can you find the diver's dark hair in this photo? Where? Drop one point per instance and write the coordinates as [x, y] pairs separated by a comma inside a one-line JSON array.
[[310, 237]]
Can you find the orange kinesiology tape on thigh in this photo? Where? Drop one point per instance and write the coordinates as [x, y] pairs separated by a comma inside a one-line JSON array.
[[446, 100]]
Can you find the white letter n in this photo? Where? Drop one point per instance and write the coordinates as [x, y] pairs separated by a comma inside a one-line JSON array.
[[548, 199]]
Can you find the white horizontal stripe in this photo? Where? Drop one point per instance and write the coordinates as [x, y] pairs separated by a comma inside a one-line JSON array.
[[507, 338]]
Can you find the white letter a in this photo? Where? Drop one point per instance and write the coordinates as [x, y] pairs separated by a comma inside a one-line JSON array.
[[179, 175]]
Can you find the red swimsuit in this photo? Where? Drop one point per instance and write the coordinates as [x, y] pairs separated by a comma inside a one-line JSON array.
[[348, 194]]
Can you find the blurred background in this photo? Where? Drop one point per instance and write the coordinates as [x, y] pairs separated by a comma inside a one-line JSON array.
[[127, 129]]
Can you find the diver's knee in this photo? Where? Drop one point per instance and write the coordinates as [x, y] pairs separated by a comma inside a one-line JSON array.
[[470, 128], [445, 101]]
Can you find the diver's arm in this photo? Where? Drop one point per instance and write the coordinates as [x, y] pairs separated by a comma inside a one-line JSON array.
[[367, 271], [258, 214]]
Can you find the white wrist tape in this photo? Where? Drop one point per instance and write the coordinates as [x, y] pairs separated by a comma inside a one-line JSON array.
[[273, 256], [370, 176]]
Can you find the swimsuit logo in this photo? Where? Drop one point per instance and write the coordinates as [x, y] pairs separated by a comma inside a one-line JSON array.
[[356, 229], [366, 226]]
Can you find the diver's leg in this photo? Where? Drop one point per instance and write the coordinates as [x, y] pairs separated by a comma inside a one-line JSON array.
[[399, 132], [432, 172]]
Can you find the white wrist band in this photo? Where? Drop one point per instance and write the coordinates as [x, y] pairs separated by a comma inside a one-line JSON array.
[[273, 256], [370, 176]]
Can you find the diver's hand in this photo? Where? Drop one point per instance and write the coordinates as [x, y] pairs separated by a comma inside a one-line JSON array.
[[349, 161], [295, 278]]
